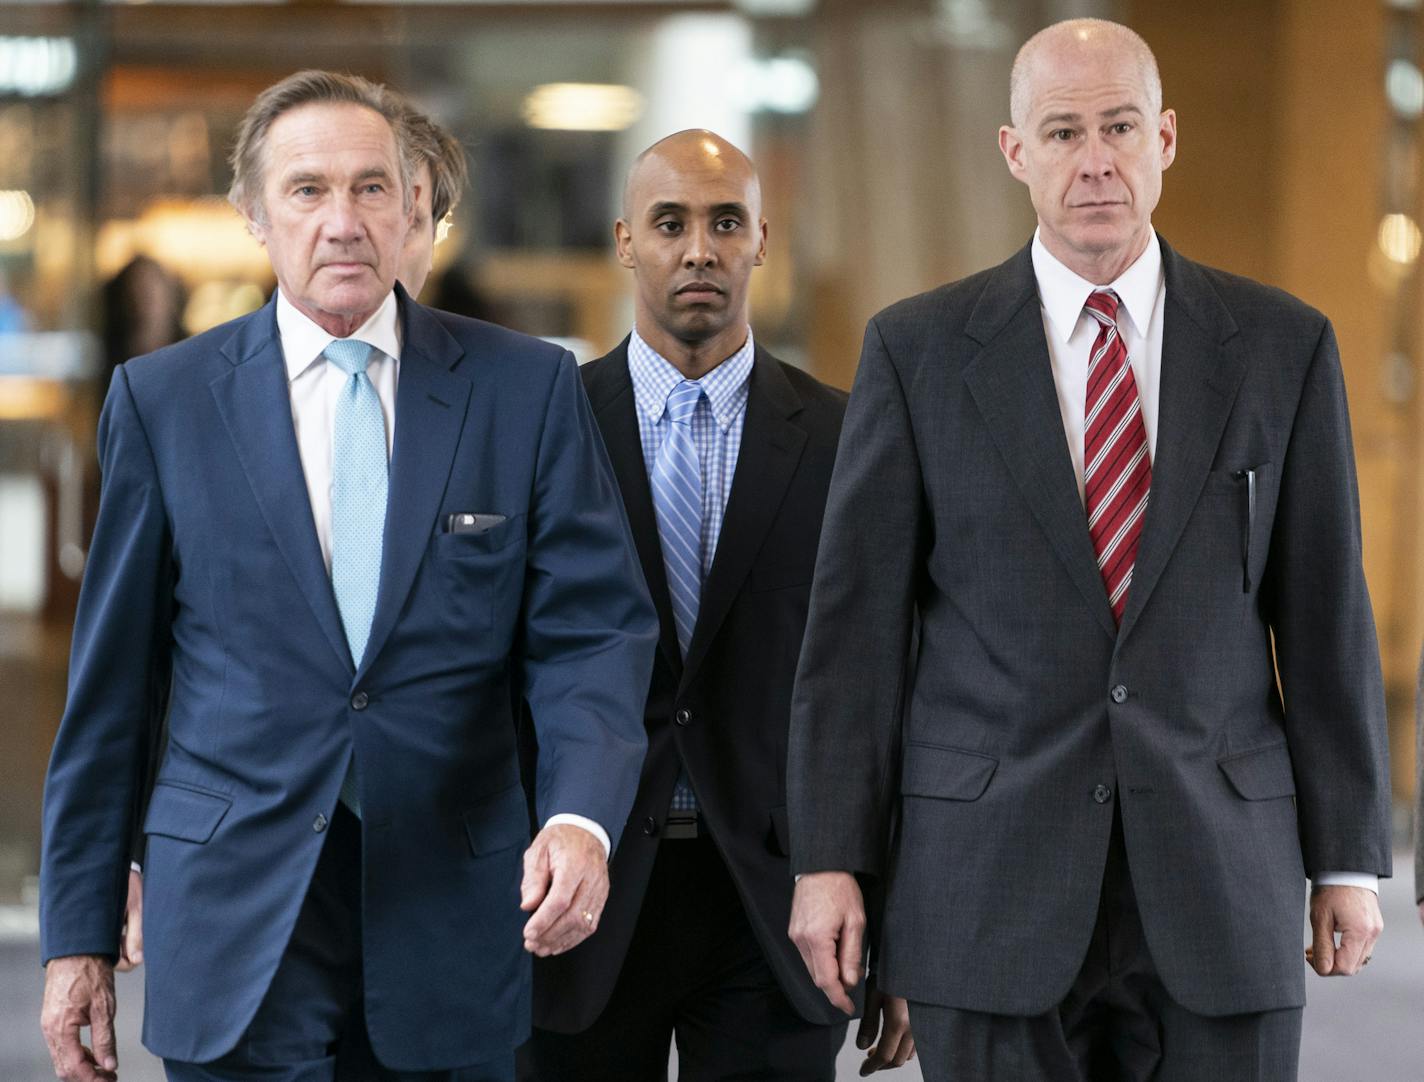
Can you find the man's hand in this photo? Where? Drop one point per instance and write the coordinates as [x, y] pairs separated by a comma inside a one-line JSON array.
[[79, 992], [896, 1046], [828, 928], [566, 884], [1354, 912], [131, 938]]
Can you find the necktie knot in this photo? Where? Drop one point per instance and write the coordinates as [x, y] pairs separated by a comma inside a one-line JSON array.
[[1103, 304], [683, 401], [348, 354]]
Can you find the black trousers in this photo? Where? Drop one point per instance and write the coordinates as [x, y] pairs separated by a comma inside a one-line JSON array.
[[1118, 1023], [311, 1026], [694, 973]]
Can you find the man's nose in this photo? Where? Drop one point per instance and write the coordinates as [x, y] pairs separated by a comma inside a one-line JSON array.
[[341, 222], [1097, 159], [700, 252]]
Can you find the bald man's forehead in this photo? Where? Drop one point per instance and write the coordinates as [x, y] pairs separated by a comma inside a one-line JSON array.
[[692, 182]]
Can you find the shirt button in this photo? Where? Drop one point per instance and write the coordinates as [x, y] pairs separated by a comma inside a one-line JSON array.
[[683, 716], [1119, 694], [1102, 794], [359, 701], [650, 826], [319, 823]]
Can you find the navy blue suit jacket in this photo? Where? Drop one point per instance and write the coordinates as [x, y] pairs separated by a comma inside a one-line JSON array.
[[205, 576]]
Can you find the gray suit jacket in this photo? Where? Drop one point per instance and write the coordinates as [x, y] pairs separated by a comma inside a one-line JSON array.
[[1027, 716]]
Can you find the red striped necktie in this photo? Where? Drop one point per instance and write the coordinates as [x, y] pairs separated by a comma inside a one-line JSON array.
[[1117, 470]]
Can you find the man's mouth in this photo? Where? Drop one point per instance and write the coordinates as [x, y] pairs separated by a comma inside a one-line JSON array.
[[699, 291]]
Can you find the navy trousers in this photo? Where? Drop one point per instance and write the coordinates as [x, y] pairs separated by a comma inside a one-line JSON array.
[[310, 1027]]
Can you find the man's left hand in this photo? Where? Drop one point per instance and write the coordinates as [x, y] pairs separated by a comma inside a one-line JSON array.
[[896, 1045], [565, 884], [1354, 913]]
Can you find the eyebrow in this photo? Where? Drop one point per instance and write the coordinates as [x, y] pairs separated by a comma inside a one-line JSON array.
[[309, 177], [1074, 118], [669, 207]]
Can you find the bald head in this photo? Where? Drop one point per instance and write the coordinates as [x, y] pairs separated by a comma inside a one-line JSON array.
[[1078, 41], [694, 151]]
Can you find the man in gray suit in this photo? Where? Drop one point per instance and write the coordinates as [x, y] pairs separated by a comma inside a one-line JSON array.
[[1111, 494]]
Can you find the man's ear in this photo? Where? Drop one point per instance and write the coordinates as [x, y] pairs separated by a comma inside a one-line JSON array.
[[761, 247], [1011, 146], [623, 239], [255, 226]]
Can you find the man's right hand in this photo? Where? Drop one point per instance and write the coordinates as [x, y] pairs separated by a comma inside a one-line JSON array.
[[828, 928], [131, 937], [79, 992]]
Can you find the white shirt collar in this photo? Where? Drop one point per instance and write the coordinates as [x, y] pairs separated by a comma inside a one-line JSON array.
[[1063, 294], [303, 340]]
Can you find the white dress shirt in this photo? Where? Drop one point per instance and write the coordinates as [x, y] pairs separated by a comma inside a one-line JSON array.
[[314, 384], [1071, 332]]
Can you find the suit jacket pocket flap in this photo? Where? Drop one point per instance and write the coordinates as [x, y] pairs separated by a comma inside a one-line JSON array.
[[498, 821], [178, 811], [946, 773], [1260, 774]]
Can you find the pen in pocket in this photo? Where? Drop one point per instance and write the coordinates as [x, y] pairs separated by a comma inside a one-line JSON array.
[[1249, 476]]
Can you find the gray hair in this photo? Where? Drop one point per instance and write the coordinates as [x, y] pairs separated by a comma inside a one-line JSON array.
[[1101, 29], [309, 87], [434, 146]]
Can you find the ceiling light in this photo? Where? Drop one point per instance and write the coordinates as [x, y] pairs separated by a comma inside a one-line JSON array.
[[582, 107]]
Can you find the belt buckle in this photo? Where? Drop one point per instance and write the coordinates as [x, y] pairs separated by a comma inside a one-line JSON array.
[[680, 828]]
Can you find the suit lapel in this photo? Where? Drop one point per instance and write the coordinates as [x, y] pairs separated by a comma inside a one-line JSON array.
[[771, 447], [1201, 373], [256, 407], [431, 402], [1011, 381], [610, 393]]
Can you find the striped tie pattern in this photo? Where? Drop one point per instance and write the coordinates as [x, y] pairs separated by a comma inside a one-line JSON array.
[[677, 502], [1117, 469], [359, 482]]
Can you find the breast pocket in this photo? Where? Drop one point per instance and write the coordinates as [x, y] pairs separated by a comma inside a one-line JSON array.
[[1243, 499], [480, 572]]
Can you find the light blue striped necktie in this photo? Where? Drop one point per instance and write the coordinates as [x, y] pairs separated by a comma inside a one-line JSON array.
[[677, 501], [359, 482]]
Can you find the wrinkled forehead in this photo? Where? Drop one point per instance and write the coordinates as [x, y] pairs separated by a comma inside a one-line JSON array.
[[1076, 76], [331, 139]]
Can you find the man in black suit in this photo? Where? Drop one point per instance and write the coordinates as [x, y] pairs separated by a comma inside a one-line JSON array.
[[723, 455], [1105, 806]]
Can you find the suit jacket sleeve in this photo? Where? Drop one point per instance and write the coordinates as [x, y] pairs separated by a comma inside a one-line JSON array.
[[842, 756], [1327, 654], [590, 629], [120, 655]]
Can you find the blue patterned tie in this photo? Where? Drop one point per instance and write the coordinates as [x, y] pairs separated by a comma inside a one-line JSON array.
[[358, 506], [677, 501]]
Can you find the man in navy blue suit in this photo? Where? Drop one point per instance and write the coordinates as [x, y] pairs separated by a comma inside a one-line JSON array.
[[332, 536]]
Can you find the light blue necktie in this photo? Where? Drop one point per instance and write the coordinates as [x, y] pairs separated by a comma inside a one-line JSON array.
[[358, 506], [677, 501]]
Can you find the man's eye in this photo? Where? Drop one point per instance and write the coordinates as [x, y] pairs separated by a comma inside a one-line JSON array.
[[1122, 128], [668, 227], [1062, 135], [373, 188], [726, 225], [306, 191]]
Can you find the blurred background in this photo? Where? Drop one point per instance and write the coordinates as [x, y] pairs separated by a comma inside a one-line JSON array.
[[874, 127]]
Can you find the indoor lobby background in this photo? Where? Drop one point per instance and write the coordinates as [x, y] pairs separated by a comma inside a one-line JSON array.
[[874, 126]]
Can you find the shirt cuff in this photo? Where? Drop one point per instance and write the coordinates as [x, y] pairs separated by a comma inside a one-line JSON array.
[[588, 825], [135, 866], [1347, 879]]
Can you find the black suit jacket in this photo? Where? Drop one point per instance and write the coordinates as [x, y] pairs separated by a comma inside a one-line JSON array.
[[725, 712], [1029, 716]]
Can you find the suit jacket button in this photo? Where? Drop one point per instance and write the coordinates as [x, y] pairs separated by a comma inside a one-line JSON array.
[[683, 716], [359, 701], [650, 826], [1119, 694], [1102, 794], [319, 823]]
